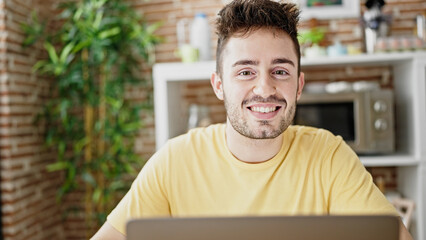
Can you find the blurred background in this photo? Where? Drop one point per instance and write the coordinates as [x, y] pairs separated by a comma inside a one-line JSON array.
[[30, 175]]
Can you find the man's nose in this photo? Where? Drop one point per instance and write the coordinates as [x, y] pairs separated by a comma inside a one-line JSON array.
[[265, 87]]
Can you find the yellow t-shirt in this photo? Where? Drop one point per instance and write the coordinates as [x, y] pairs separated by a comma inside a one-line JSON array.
[[195, 174]]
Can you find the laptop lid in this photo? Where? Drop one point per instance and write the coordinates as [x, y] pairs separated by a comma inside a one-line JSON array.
[[268, 228]]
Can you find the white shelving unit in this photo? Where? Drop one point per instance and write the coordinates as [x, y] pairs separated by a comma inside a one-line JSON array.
[[409, 72]]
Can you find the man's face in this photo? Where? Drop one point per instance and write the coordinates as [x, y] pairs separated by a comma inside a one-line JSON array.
[[259, 83]]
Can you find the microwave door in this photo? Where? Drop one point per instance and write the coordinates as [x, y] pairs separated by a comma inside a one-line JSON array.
[[337, 117]]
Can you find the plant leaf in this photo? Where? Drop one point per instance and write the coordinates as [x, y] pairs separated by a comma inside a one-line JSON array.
[[39, 65], [78, 14], [109, 33], [51, 51], [98, 20], [96, 197], [57, 166], [66, 52]]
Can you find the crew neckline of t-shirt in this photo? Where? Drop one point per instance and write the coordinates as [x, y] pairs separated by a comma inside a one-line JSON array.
[[277, 159]]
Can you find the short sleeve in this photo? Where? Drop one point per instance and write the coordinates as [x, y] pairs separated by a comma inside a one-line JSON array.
[[352, 190], [147, 196]]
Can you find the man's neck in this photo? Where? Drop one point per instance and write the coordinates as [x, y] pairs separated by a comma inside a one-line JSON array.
[[251, 150]]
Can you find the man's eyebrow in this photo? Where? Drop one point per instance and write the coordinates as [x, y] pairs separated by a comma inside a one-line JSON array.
[[283, 60], [245, 62]]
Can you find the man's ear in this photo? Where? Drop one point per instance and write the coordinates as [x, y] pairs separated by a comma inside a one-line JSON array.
[[301, 83], [216, 83]]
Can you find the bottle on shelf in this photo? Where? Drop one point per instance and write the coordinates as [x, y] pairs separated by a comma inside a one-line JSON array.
[[198, 116], [200, 36]]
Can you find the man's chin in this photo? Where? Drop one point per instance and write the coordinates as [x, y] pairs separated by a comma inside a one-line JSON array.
[[268, 135], [264, 131], [258, 129]]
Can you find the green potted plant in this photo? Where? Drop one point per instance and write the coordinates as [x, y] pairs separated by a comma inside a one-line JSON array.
[[310, 40], [93, 53]]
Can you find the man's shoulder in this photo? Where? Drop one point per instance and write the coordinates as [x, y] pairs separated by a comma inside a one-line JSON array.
[[307, 130], [318, 143], [212, 134], [193, 147], [211, 130], [313, 134]]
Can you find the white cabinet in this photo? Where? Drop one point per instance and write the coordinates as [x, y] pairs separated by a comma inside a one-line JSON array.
[[409, 72]]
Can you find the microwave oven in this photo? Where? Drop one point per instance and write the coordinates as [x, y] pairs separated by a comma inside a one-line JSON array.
[[365, 120]]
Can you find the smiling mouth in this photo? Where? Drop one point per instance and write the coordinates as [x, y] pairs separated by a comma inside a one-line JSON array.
[[264, 109]]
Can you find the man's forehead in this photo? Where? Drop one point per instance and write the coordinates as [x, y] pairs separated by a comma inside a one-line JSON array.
[[237, 40]]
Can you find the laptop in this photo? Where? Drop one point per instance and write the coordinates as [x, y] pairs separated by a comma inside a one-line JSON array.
[[266, 228]]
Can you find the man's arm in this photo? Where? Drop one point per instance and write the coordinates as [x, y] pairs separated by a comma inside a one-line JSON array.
[[108, 232], [403, 232]]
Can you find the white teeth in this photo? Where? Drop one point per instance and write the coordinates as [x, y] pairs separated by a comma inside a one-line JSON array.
[[263, 109]]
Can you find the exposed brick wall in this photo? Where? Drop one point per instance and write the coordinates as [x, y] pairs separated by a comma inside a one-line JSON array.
[[29, 209]]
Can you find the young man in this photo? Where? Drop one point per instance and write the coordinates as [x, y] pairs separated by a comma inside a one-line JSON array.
[[256, 163]]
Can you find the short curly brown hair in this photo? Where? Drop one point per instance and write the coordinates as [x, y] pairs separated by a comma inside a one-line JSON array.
[[243, 16]]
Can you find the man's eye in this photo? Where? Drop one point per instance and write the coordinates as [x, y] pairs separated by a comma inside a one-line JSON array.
[[245, 73], [280, 72]]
